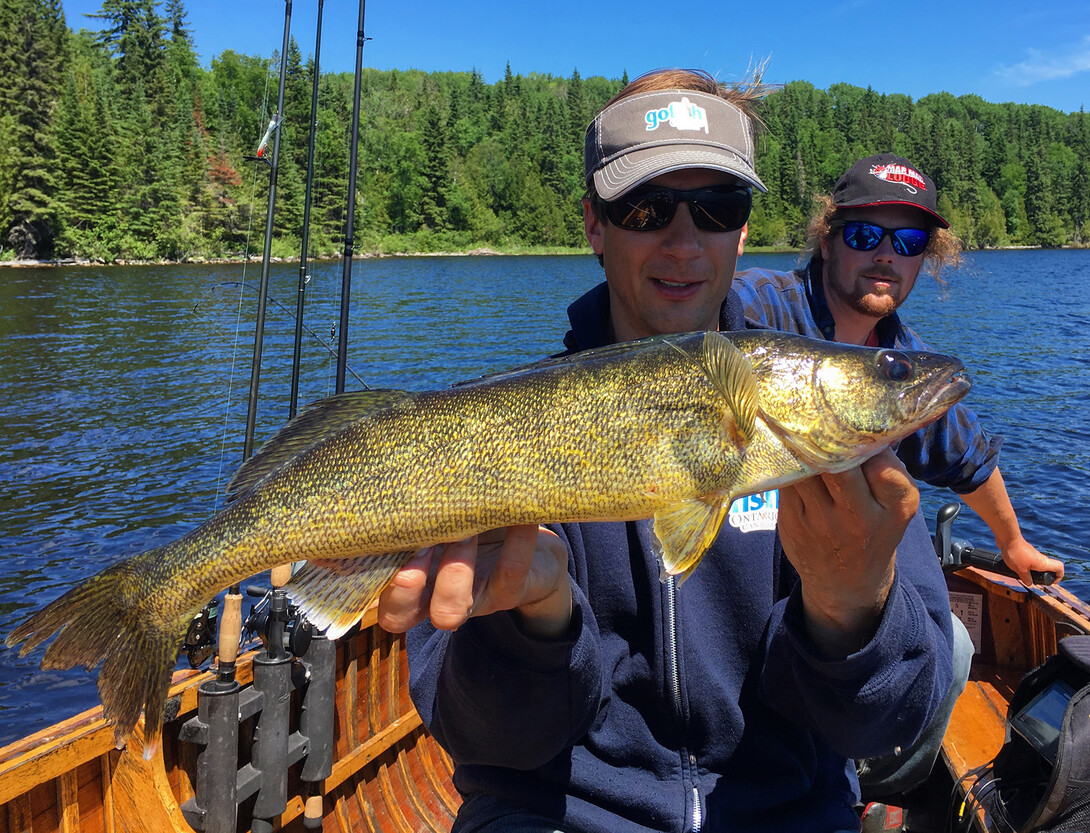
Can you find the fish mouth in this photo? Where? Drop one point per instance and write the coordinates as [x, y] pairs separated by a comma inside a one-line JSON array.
[[940, 396]]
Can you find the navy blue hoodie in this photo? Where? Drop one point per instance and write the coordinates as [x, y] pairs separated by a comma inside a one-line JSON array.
[[701, 707]]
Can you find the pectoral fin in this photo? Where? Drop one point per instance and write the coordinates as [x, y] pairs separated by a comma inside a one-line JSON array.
[[333, 593], [732, 374], [684, 533]]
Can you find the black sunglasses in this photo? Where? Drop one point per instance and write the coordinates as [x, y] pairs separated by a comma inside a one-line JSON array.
[[863, 237], [652, 207]]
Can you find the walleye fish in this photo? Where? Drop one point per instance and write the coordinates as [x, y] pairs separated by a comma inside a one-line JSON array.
[[675, 428]]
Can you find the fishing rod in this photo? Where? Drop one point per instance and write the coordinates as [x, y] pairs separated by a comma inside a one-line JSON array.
[[273, 668], [350, 217], [231, 621], [316, 721], [303, 277], [266, 257]]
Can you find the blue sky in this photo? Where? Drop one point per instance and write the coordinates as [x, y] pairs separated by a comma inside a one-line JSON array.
[[1027, 52]]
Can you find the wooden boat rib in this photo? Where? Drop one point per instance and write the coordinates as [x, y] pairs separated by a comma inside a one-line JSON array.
[[390, 776]]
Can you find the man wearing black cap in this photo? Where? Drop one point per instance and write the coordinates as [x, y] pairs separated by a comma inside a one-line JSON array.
[[867, 244], [577, 691]]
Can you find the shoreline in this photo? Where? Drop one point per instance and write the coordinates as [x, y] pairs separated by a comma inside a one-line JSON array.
[[206, 261], [478, 252]]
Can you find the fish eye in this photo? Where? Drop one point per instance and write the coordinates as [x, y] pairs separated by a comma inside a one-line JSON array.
[[896, 366]]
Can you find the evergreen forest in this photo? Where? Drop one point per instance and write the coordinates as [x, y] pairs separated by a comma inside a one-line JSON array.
[[117, 144]]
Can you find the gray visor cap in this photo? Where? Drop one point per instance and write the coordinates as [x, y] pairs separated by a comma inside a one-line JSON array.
[[644, 135]]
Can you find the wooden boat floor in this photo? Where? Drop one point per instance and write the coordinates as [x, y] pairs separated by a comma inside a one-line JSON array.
[[978, 726]]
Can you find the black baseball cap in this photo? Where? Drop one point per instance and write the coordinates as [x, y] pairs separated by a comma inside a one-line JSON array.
[[643, 135], [886, 179]]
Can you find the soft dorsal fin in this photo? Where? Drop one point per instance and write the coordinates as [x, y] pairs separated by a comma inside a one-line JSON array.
[[732, 374], [316, 422]]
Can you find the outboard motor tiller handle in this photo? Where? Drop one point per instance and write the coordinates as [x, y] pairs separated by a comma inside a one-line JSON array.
[[954, 554]]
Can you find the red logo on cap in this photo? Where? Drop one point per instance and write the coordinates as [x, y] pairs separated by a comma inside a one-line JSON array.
[[906, 176]]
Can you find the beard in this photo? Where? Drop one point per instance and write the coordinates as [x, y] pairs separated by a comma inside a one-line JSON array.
[[859, 294], [868, 303]]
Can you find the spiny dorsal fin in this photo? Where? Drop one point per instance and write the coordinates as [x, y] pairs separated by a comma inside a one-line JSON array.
[[317, 421], [732, 374]]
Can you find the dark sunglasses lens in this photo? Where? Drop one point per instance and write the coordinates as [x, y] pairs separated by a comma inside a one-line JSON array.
[[862, 236], [642, 210], [910, 241], [722, 210], [651, 209]]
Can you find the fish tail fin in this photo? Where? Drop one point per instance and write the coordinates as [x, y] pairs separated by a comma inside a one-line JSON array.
[[99, 621]]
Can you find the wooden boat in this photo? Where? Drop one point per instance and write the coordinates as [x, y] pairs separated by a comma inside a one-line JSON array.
[[1019, 628], [389, 775]]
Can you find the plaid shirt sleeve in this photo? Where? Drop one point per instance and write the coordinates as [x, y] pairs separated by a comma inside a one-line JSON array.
[[776, 301]]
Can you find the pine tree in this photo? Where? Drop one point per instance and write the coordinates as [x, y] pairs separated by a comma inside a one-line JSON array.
[[32, 51], [436, 171], [135, 36], [85, 141], [578, 118]]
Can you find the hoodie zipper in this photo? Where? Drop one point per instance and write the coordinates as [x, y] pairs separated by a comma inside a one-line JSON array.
[[688, 762]]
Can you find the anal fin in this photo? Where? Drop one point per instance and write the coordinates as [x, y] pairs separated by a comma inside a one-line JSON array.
[[334, 593]]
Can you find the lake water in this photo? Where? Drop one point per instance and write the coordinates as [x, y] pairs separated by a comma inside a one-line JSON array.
[[122, 399]]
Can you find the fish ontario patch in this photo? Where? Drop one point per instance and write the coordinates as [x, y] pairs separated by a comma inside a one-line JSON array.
[[755, 512], [680, 115], [902, 174]]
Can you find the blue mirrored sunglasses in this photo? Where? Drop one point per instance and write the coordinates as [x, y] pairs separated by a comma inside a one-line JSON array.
[[863, 237]]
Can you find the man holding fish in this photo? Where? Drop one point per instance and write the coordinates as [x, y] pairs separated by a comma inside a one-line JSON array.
[[575, 686]]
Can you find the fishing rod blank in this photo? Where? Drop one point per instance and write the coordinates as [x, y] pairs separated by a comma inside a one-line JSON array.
[[297, 358], [350, 219], [266, 257]]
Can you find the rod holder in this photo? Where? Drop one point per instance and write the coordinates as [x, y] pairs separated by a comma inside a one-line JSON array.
[[316, 720], [215, 728], [272, 678]]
